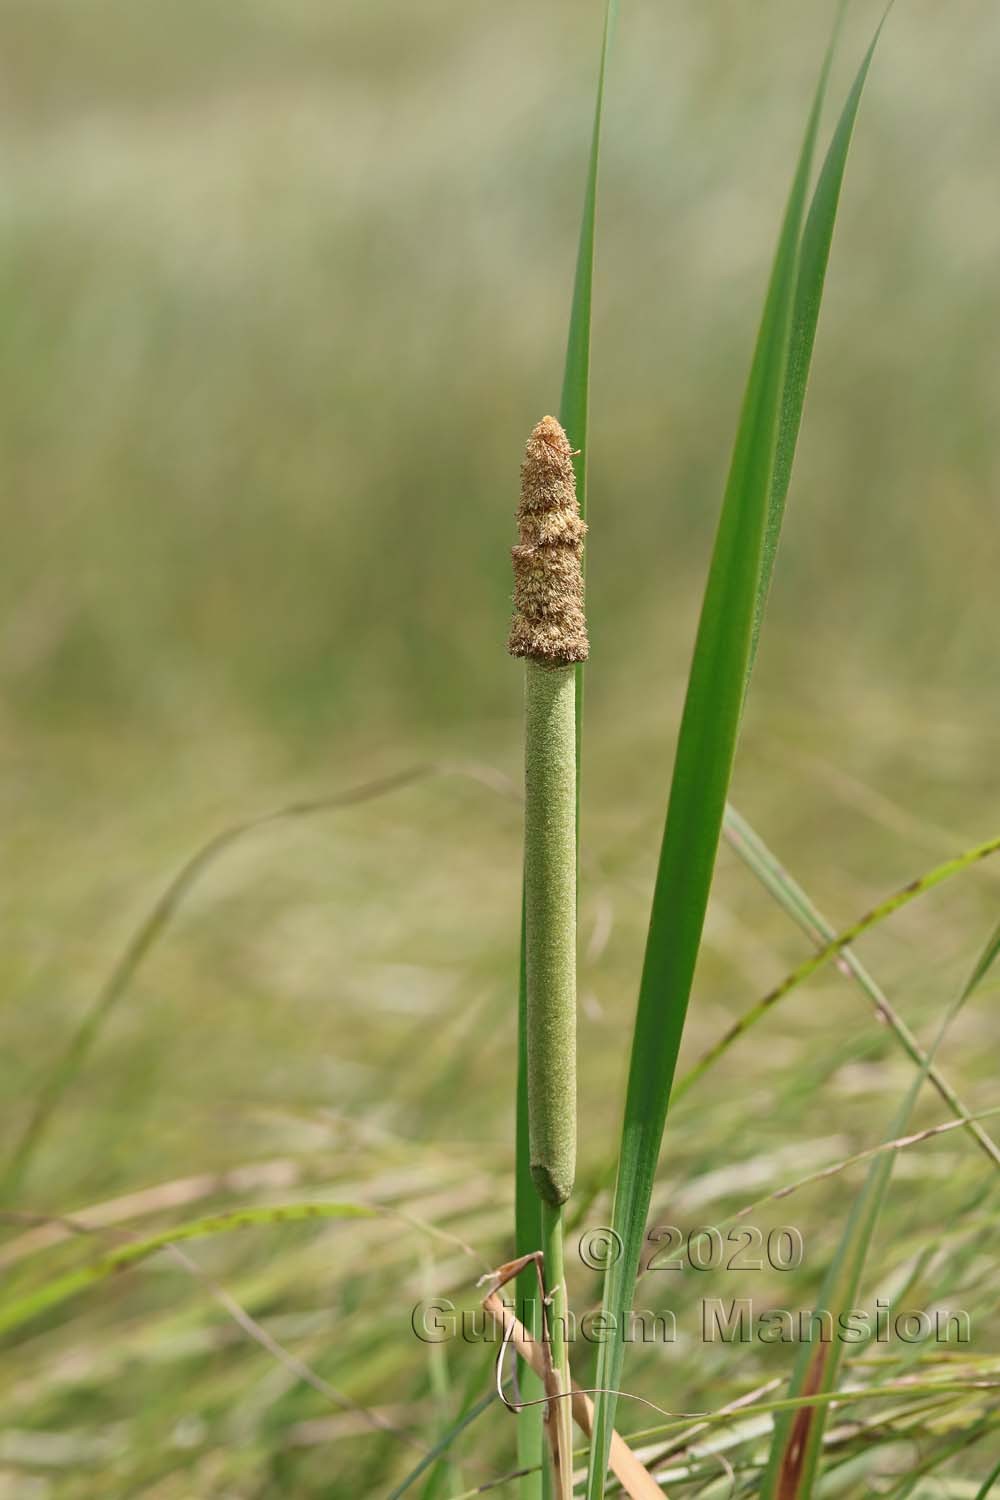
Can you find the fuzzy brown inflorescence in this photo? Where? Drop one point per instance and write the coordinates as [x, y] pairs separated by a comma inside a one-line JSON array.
[[549, 625]]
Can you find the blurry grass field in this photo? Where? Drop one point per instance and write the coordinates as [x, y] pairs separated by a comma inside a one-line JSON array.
[[283, 291]]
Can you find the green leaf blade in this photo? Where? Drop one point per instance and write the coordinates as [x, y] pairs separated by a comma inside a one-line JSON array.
[[54, 1292], [574, 403], [702, 769], [817, 237]]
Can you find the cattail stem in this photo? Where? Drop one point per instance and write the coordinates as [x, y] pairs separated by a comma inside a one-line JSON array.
[[550, 925], [550, 632], [560, 1412]]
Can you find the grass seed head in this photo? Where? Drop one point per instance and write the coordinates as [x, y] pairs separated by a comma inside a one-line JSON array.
[[549, 625]]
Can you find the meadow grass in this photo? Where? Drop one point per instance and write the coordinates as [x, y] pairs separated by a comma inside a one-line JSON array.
[[281, 1360]]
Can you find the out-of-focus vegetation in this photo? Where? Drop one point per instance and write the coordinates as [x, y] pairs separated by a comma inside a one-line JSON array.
[[283, 289]]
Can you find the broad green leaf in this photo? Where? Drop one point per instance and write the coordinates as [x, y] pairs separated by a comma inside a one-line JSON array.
[[702, 768], [814, 258], [52, 1293], [798, 1436]]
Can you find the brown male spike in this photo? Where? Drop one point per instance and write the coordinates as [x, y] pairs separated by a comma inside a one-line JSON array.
[[548, 625]]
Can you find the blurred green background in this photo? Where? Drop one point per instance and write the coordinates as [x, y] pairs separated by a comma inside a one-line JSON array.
[[282, 289]]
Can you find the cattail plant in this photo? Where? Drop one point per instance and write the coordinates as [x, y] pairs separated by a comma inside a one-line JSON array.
[[781, 1452], [550, 632]]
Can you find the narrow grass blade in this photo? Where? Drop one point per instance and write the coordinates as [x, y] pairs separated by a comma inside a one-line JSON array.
[[857, 1396], [702, 768], [155, 924], [941, 1453], [145, 937], [443, 1443], [793, 899], [444, 1478], [52, 1293], [574, 403], [987, 959], [988, 1483], [833, 948], [900, 1143], [817, 237], [798, 1437]]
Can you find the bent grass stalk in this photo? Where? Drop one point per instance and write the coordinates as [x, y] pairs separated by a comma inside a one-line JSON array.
[[793, 899], [548, 630], [833, 949]]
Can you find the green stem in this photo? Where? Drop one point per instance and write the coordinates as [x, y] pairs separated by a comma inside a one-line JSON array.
[[550, 990], [550, 925], [528, 1239], [558, 1317]]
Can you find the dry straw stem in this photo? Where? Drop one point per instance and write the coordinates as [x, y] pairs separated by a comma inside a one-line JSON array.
[[635, 1480], [560, 1416]]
